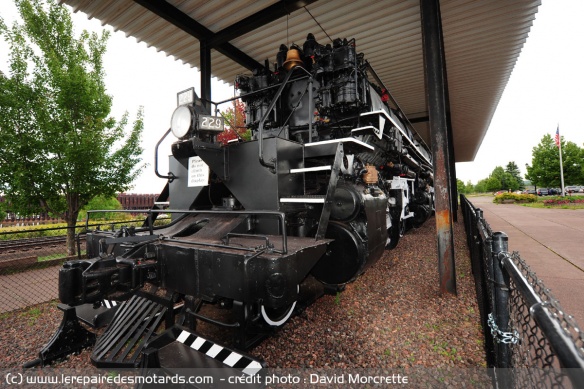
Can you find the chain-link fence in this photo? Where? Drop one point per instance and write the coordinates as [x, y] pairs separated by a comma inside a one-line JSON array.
[[530, 341], [30, 259]]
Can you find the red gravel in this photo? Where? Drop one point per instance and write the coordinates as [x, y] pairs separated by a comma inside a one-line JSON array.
[[391, 317]]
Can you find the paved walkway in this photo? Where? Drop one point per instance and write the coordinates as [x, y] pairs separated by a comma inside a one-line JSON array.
[[550, 241], [28, 288]]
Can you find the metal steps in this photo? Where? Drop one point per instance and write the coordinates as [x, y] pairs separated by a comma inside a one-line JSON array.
[[132, 326]]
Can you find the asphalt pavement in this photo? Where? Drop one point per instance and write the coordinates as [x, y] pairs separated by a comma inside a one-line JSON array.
[[550, 241]]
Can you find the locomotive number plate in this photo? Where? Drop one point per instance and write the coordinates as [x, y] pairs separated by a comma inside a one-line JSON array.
[[210, 123]]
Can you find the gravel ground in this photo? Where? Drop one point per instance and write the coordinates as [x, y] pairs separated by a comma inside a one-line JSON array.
[[390, 317]]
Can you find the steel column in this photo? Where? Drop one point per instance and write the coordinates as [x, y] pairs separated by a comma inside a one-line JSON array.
[[205, 68], [451, 158], [436, 99]]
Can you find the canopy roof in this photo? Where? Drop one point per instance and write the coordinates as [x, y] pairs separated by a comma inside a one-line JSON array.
[[482, 41]]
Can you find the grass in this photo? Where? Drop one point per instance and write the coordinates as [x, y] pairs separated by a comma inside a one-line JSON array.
[[445, 350], [51, 257], [33, 314]]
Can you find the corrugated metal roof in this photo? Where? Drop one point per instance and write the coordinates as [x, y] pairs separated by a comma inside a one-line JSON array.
[[482, 41]]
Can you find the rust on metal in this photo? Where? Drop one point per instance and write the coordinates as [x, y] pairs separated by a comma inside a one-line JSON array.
[[370, 176]]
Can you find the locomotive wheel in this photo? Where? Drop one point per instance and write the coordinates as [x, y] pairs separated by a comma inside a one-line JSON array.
[[402, 228], [394, 232], [393, 235], [277, 316], [344, 258]]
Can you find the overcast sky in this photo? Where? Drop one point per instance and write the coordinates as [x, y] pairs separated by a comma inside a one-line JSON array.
[[545, 88]]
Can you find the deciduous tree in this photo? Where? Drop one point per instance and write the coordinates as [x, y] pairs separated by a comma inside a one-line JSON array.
[[60, 146], [514, 171], [234, 123], [545, 163]]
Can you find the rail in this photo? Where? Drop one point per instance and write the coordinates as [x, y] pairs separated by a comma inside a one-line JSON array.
[[529, 339]]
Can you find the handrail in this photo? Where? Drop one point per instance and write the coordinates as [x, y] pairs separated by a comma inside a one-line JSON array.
[[280, 215], [170, 175]]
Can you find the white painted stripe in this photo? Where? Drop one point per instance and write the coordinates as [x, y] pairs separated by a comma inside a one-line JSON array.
[[344, 140], [253, 368], [232, 359], [183, 336], [364, 128], [403, 132], [198, 343], [214, 350], [302, 200], [107, 304], [311, 169]]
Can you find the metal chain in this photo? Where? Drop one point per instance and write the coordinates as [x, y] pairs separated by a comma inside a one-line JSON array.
[[500, 336]]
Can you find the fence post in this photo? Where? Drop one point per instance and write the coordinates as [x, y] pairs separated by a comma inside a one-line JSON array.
[[481, 250], [500, 244]]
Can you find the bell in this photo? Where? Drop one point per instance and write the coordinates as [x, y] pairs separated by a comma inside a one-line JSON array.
[[292, 58]]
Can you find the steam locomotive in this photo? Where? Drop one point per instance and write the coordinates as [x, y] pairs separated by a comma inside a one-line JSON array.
[[333, 175]]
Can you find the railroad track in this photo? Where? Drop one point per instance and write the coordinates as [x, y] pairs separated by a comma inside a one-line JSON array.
[[31, 244]]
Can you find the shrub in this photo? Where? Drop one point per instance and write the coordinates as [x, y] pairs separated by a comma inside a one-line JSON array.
[[515, 197]]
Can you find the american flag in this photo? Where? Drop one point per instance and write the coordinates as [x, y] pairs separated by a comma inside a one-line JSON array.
[[558, 137]]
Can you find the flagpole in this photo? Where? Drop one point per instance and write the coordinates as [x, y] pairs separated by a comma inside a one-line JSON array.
[[559, 142]]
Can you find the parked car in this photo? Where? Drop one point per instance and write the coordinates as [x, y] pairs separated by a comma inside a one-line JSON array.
[[554, 191], [572, 189], [542, 192]]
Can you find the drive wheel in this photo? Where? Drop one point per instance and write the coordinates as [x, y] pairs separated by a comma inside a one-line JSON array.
[[394, 233], [277, 316]]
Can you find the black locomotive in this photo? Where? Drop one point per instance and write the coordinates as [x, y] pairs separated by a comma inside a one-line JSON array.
[[332, 176]]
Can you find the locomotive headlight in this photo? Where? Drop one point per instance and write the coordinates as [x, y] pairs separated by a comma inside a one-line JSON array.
[[182, 121]]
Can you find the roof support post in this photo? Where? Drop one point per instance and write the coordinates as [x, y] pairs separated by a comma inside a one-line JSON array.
[[205, 68], [437, 101], [451, 158]]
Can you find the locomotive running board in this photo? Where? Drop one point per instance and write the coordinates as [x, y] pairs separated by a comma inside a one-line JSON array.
[[179, 352], [329, 147]]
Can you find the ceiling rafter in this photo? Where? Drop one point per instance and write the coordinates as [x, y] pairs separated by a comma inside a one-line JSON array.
[[197, 30], [220, 40]]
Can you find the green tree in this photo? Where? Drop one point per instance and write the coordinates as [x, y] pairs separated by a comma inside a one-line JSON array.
[[461, 189], [514, 171], [493, 184], [101, 203], [481, 186], [60, 148], [505, 180], [545, 163], [464, 188]]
